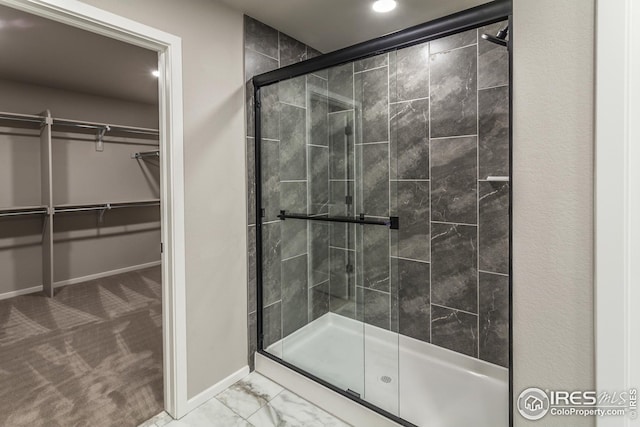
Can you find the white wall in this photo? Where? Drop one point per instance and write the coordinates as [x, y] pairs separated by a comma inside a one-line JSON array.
[[214, 178], [553, 199]]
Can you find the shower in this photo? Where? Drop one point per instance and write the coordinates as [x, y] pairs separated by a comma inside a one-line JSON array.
[[500, 38]]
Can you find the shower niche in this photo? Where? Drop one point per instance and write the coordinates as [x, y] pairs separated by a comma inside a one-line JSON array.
[[383, 240]]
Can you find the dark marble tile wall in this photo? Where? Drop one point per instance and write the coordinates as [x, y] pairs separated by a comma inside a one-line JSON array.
[[295, 169]]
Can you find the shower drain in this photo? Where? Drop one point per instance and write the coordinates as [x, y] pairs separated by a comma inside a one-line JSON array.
[[385, 379]]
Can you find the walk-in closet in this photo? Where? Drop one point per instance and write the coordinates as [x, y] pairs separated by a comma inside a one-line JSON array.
[[80, 227]]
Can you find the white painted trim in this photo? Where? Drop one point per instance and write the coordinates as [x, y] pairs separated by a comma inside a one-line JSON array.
[[617, 210], [169, 48], [217, 388], [19, 292]]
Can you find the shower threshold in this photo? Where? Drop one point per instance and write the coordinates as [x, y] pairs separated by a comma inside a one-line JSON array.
[[419, 382]]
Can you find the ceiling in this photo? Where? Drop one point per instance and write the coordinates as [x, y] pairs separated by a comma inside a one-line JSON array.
[[39, 51], [328, 25]]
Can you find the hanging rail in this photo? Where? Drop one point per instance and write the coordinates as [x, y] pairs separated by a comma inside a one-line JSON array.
[[23, 118], [393, 222], [29, 210], [105, 206], [105, 126]]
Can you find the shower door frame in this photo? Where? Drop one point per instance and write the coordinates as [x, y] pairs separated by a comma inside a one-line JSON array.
[[486, 14]]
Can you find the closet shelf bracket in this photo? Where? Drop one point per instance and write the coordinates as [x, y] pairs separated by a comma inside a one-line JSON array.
[[146, 154], [100, 136]]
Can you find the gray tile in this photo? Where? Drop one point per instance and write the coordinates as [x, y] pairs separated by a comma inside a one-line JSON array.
[[371, 89], [454, 271], [376, 308], [340, 80], [410, 201], [293, 196], [493, 132], [342, 235], [293, 91], [255, 64], [494, 227], [454, 330], [272, 323], [271, 273], [270, 159], [251, 181], [251, 269], [260, 37], [293, 148], [319, 300], [371, 62], [295, 295], [375, 257], [372, 179], [253, 339], [454, 180], [318, 179], [409, 127], [318, 105], [409, 73], [342, 282], [453, 93], [312, 53], [454, 41], [493, 60], [294, 238], [291, 50], [270, 112], [494, 319], [341, 145], [318, 252], [414, 305]]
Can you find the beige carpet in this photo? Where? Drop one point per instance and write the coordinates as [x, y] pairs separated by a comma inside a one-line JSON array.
[[91, 356]]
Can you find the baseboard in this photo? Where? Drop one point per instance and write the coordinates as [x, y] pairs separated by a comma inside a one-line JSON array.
[[83, 279], [216, 389]]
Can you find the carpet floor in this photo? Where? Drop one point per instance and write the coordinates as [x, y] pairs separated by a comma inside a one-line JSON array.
[[90, 356]]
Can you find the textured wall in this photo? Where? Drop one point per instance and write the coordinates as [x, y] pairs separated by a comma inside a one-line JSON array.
[[553, 199]]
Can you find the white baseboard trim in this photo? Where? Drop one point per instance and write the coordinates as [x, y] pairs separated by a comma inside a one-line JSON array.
[[215, 389], [78, 280]]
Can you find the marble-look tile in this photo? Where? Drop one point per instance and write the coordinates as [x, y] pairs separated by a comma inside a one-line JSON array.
[[293, 198], [260, 37], [454, 185], [340, 80], [295, 294], [318, 109], [293, 148], [270, 112], [312, 53], [342, 282], [254, 64], [409, 73], [376, 308], [454, 271], [341, 145], [372, 179], [493, 132], [160, 420], [251, 181], [409, 125], [249, 394], [251, 270], [411, 279], [291, 50], [455, 330], [494, 227], [270, 159], [342, 235], [318, 179], [271, 268], [494, 318], [454, 41], [210, 414], [319, 300], [375, 256], [453, 93], [272, 323], [410, 202], [293, 91], [371, 62], [493, 60], [318, 252], [253, 339], [289, 410], [371, 89]]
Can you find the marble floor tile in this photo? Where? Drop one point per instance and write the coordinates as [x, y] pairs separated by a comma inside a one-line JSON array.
[[289, 410], [210, 414], [249, 394]]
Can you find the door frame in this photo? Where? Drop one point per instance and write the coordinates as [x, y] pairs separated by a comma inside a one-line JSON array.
[[617, 199], [169, 48]]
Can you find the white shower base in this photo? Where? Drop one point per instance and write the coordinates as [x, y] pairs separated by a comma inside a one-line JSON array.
[[422, 383]]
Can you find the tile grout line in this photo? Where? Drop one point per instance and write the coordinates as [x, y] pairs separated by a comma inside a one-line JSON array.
[[456, 309], [430, 202], [477, 194]]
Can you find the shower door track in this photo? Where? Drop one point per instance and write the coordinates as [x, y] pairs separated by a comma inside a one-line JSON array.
[[486, 14]]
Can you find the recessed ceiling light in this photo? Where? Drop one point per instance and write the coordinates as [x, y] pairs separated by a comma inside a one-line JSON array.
[[382, 6], [155, 73]]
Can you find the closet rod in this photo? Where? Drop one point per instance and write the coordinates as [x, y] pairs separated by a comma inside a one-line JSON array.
[[105, 206], [99, 126], [22, 117], [19, 213]]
